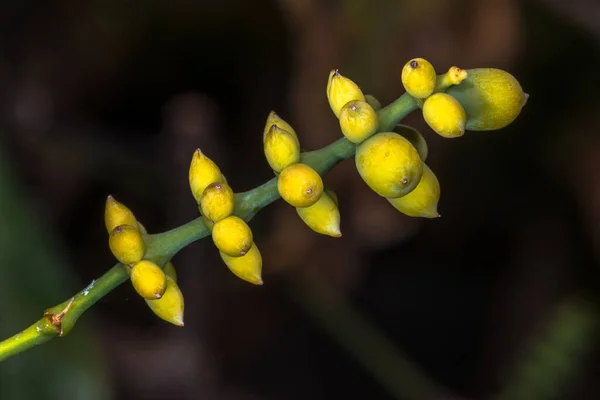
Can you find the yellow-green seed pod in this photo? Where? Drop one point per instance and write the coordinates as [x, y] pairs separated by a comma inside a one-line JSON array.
[[322, 217], [281, 148], [116, 214], [445, 115], [169, 269], [341, 90], [203, 172], [142, 228], [492, 98], [247, 267], [415, 138], [419, 78], [171, 305], [217, 201], [300, 185], [389, 164], [232, 236], [423, 201], [358, 121], [274, 119], [148, 280], [331, 194], [127, 244], [373, 102], [454, 76]]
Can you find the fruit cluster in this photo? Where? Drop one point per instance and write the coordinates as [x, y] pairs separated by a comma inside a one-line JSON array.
[[157, 286], [392, 164], [231, 235]]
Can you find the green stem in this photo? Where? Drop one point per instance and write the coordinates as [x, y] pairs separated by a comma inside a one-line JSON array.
[[163, 246]]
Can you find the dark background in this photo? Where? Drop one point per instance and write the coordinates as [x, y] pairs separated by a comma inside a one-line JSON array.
[[495, 300]]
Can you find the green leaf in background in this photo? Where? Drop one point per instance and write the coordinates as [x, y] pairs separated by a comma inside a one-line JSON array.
[[33, 278]]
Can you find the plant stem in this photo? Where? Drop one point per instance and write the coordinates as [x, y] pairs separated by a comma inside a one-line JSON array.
[[163, 246]]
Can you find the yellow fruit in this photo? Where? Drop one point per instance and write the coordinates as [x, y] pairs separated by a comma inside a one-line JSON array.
[[322, 217], [358, 121], [170, 306], [423, 200], [415, 138], [341, 90], [373, 102], [126, 244], [209, 224], [419, 78], [170, 271], [148, 280], [232, 236], [331, 194], [247, 267], [116, 214], [454, 76], [492, 98], [203, 172], [445, 115], [389, 164], [281, 148], [274, 119], [300, 185], [217, 201]]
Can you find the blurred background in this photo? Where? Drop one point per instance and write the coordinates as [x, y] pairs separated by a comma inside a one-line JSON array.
[[495, 300]]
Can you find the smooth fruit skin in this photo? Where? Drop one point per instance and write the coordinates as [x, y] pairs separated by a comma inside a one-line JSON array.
[[322, 217], [358, 121], [116, 214], [281, 149], [415, 138], [341, 90], [419, 78], [445, 115], [492, 98], [247, 267], [217, 201], [148, 280], [373, 102], [389, 164], [169, 269], [170, 306], [274, 119], [300, 185], [232, 236], [203, 171], [423, 200], [127, 244]]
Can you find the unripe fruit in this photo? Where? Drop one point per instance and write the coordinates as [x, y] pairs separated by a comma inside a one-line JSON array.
[[232, 236], [209, 224], [322, 217], [389, 164], [341, 90], [373, 102], [142, 228], [148, 280], [445, 115], [116, 214], [331, 194], [127, 244], [169, 270], [454, 76], [415, 138], [419, 78], [423, 200], [171, 305], [247, 267], [358, 121], [217, 201], [492, 98], [300, 185], [274, 119], [203, 172], [281, 148]]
